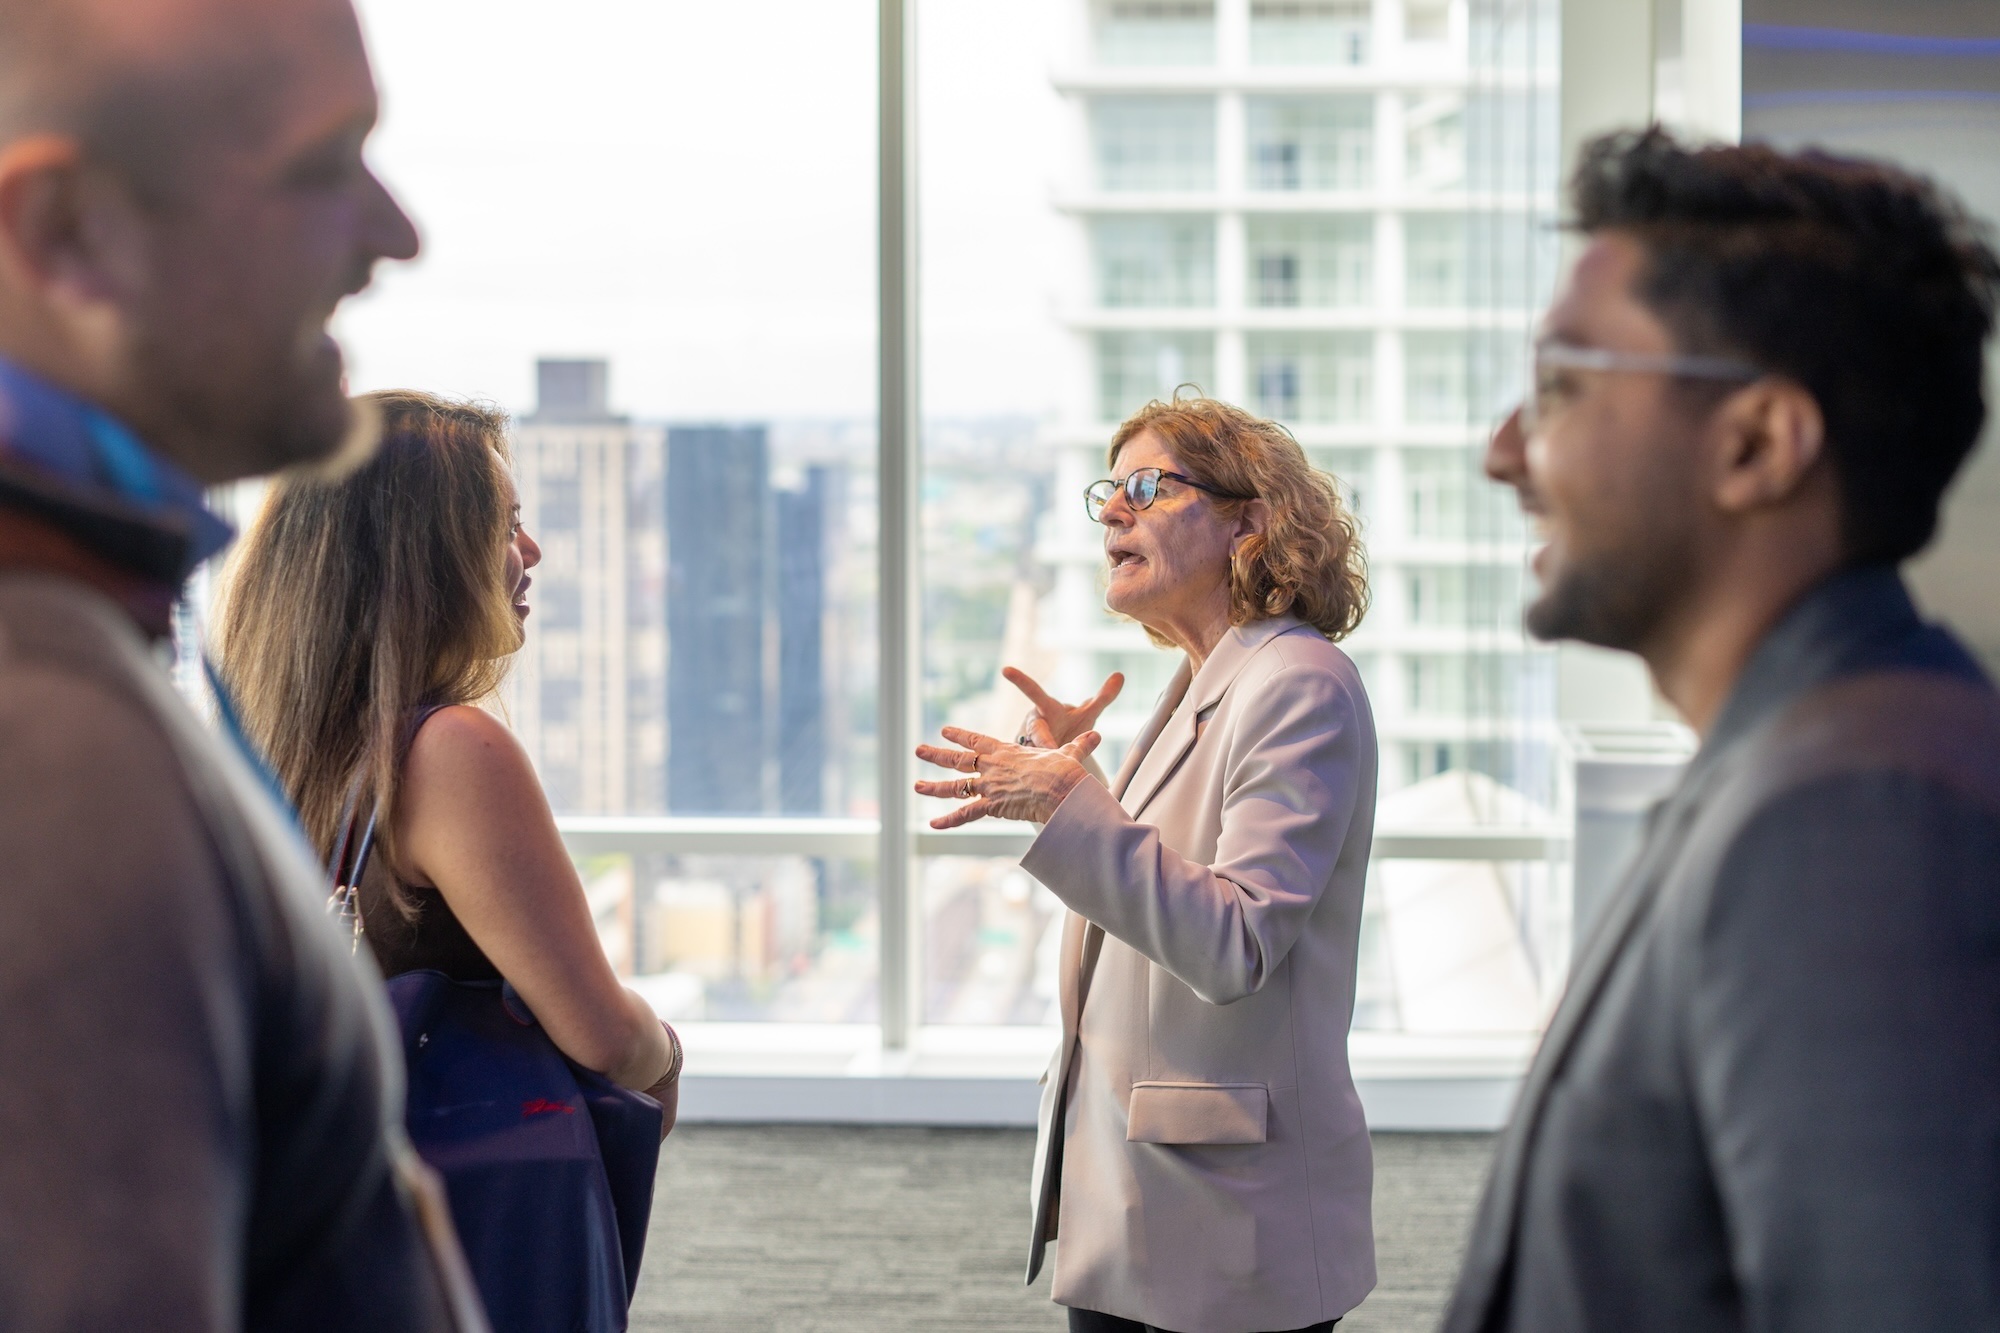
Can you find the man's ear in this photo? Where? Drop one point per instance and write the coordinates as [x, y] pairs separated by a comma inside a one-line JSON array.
[[66, 229], [1769, 438]]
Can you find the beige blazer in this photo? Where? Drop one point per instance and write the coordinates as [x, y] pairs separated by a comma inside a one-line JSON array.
[[1202, 1155]]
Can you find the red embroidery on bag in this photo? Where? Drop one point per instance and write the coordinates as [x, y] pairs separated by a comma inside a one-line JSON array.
[[542, 1106]]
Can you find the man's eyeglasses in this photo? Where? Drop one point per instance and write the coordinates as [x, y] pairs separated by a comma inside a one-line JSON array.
[[1141, 487], [1550, 391]]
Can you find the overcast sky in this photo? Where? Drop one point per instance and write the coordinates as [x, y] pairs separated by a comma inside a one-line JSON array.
[[688, 188]]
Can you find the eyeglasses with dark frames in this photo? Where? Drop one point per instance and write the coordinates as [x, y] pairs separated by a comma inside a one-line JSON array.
[[1142, 487]]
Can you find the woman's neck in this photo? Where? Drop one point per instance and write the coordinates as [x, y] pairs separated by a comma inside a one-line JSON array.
[[1197, 635]]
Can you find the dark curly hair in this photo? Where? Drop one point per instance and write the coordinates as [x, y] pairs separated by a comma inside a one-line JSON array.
[[1870, 286]]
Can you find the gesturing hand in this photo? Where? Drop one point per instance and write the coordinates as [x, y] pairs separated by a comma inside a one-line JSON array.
[[1051, 722], [1005, 781]]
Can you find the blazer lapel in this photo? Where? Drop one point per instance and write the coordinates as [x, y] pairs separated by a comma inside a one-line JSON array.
[[1161, 760], [1082, 939], [1181, 727], [1142, 744], [1499, 1213]]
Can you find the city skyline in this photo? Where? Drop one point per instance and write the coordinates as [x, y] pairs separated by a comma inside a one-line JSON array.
[[1323, 210]]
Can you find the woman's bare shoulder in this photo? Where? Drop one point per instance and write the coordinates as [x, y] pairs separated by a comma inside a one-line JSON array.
[[467, 749], [469, 794]]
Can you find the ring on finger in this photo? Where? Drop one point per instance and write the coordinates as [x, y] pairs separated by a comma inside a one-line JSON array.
[[965, 789]]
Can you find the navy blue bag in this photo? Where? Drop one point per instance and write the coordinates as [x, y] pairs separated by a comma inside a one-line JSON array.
[[548, 1166]]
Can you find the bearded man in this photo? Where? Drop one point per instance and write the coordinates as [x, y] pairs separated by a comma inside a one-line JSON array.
[[201, 1128], [1769, 1099]]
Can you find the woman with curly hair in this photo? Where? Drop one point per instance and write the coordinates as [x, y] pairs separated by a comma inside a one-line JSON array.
[[1203, 1156]]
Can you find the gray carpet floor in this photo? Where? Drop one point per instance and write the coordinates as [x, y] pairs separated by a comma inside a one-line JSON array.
[[820, 1228]]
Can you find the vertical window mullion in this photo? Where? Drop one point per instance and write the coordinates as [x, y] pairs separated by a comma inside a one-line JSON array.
[[897, 492]]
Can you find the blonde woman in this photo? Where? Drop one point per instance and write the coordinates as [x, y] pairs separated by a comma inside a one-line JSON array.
[[366, 620], [1203, 1158]]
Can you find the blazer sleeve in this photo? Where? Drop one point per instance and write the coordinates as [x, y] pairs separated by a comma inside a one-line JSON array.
[[1841, 1040], [1293, 773]]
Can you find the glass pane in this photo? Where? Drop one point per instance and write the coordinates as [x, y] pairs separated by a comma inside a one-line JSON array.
[[1326, 260], [702, 636], [1458, 947], [992, 940], [1508, 262], [1449, 685], [1311, 143], [1434, 251], [1434, 374], [1154, 143], [1451, 498], [1463, 596], [1426, 22], [1135, 368], [1155, 261], [789, 939], [1450, 377], [1310, 32], [1464, 700], [1313, 378], [1154, 32], [1353, 470], [1508, 143], [1434, 141]]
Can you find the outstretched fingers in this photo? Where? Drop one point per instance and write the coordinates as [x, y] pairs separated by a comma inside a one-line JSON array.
[[965, 814], [1080, 748], [1106, 692], [1029, 686], [1049, 706], [971, 740], [962, 760]]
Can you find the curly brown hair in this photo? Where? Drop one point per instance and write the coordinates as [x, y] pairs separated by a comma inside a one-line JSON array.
[[1308, 561]]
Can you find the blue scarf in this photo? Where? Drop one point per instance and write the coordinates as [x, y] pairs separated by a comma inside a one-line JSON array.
[[87, 471], [83, 469]]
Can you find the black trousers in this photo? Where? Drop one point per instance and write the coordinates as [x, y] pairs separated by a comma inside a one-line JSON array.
[[1090, 1321]]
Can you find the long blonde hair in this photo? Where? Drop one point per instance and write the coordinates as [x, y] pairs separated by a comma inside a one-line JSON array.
[[1308, 561], [355, 601]]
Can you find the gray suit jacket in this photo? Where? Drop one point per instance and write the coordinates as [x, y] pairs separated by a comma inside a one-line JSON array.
[[202, 1113], [1771, 1096], [1202, 1146]]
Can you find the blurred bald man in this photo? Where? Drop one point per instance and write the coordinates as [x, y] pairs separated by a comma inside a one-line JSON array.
[[199, 1122]]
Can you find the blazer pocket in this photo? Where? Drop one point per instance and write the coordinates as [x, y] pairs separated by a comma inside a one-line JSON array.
[[1198, 1113]]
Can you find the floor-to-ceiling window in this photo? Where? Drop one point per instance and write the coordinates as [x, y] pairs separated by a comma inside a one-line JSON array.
[[652, 233], [1338, 215]]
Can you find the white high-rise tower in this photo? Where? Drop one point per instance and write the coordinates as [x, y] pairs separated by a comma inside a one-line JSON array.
[[1333, 213]]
